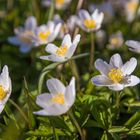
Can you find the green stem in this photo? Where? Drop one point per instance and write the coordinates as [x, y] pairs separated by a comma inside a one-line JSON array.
[[74, 121], [75, 72], [53, 128], [118, 103], [51, 11], [91, 52], [21, 112]]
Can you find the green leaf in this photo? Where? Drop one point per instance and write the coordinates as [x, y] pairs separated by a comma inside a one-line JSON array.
[[117, 129]]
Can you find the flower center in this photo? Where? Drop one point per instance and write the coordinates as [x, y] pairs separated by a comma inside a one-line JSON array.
[[116, 75], [25, 36], [89, 23], [59, 98], [114, 41], [59, 2], [132, 6], [44, 35], [62, 51], [2, 93]]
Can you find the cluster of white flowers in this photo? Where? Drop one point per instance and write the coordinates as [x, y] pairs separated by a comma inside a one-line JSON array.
[[114, 75]]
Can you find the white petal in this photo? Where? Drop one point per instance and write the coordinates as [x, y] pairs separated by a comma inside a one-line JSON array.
[[53, 58], [95, 14], [4, 78], [116, 61], [1, 108], [71, 51], [70, 93], [83, 14], [41, 112], [44, 100], [76, 39], [14, 40], [51, 48], [134, 80], [100, 18], [133, 45], [30, 23], [55, 86], [24, 48], [129, 66], [102, 66], [116, 87], [101, 80], [56, 110], [67, 40]]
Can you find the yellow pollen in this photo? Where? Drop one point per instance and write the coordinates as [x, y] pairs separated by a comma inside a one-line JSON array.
[[132, 6], [90, 23], [44, 35], [59, 2], [116, 75], [2, 93], [59, 98], [62, 51], [114, 41]]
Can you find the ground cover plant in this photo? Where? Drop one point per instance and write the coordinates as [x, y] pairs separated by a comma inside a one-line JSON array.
[[69, 70]]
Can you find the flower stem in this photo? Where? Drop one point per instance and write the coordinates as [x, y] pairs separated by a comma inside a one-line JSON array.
[[91, 52], [70, 113], [21, 112], [118, 103]]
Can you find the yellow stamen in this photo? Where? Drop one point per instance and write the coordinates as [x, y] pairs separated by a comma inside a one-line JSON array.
[[44, 35], [90, 23], [59, 98], [116, 75], [114, 41], [2, 93], [59, 2], [62, 51], [132, 6]]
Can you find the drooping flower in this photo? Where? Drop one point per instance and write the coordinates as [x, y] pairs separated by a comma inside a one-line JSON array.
[[116, 75], [89, 22], [5, 87], [46, 33], [64, 52], [115, 40], [59, 4], [59, 100], [24, 35], [134, 46]]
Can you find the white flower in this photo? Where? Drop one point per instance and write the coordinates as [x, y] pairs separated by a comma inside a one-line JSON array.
[[64, 52], [64, 29], [101, 38], [46, 33], [5, 87], [59, 100], [133, 45], [59, 4], [24, 35], [106, 8], [115, 40], [67, 27], [116, 75], [130, 9], [89, 22]]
